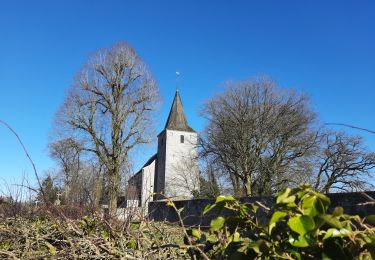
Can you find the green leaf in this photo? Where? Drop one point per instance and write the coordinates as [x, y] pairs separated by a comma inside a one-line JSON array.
[[252, 207], [170, 204], [243, 211], [283, 197], [331, 221], [195, 233], [332, 232], [300, 242], [276, 216], [224, 198], [236, 236], [208, 207], [211, 238], [301, 224], [296, 255], [217, 223], [338, 211], [258, 246], [219, 203], [324, 199], [289, 200], [312, 206]]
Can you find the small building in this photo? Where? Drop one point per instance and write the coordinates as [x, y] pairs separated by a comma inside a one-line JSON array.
[[173, 171]]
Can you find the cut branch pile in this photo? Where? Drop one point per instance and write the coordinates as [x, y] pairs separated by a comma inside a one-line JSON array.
[[89, 238]]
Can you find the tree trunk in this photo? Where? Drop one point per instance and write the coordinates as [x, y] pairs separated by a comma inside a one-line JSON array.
[[97, 190], [113, 189], [248, 191]]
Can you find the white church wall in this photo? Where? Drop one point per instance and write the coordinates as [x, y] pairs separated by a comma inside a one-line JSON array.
[[148, 173], [181, 166]]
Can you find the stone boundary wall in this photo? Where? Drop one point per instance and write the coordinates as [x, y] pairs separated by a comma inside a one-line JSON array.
[[354, 203]]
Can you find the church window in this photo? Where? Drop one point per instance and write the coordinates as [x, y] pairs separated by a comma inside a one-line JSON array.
[[182, 139]]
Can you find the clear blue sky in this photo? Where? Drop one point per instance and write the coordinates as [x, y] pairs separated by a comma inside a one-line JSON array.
[[325, 48]]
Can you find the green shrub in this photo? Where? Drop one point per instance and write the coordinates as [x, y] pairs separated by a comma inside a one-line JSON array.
[[298, 227]]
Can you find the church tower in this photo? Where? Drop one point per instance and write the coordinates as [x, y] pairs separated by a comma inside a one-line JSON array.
[[176, 173]]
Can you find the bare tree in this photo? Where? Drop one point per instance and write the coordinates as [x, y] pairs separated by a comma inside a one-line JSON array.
[[109, 110], [67, 152], [257, 132], [212, 180], [186, 177], [343, 164]]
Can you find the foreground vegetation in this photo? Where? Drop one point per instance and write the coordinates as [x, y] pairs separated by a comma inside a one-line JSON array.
[[298, 226], [88, 238]]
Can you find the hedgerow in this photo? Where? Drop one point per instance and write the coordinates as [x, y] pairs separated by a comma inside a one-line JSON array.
[[88, 238], [298, 227]]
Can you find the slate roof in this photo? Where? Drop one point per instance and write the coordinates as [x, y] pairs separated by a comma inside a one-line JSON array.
[[176, 119]]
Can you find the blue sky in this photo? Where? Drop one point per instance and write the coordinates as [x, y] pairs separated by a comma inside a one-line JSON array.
[[324, 48]]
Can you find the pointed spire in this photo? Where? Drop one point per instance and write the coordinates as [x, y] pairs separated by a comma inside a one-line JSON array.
[[176, 119]]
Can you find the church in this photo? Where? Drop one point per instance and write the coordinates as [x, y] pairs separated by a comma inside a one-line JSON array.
[[173, 171]]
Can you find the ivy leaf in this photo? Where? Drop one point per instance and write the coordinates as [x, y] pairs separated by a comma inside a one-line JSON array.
[[258, 246], [217, 223], [283, 197], [301, 224], [312, 206], [300, 242], [236, 236], [324, 199], [211, 238], [331, 221], [338, 211], [276, 216], [170, 204], [208, 207], [296, 254], [195, 233], [333, 232], [219, 203], [224, 198]]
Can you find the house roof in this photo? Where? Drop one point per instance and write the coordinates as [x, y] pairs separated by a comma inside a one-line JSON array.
[[176, 119]]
